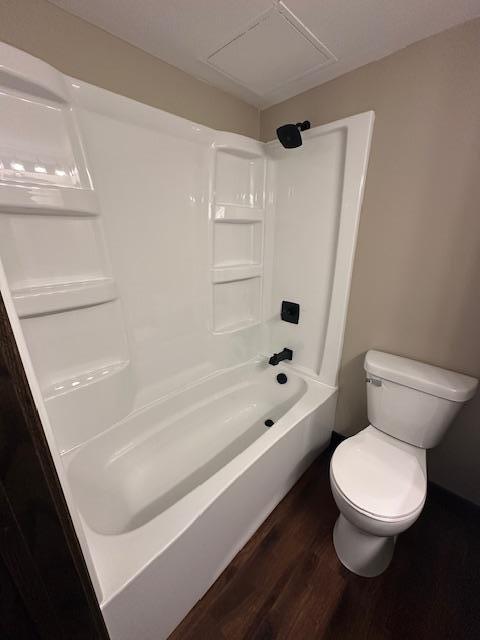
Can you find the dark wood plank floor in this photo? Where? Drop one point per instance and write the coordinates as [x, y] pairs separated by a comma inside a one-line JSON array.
[[287, 583]]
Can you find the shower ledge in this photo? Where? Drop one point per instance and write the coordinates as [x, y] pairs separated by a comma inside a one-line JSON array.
[[64, 296], [237, 272], [81, 405], [48, 200], [234, 327], [237, 214], [84, 379]]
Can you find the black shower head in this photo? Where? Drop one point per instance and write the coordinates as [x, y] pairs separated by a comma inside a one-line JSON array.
[[290, 136]]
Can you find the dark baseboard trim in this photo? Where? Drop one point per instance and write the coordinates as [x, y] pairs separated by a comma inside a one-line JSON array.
[[453, 499], [335, 439]]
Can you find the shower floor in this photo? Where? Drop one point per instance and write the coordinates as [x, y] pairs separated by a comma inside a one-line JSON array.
[[287, 583]]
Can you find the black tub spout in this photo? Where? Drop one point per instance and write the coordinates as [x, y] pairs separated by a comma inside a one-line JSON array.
[[286, 354]]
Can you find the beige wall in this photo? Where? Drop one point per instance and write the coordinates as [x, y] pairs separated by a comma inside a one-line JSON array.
[[86, 52], [416, 281]]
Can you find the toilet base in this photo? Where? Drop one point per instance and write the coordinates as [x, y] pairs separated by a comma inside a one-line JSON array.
[[362, 553]]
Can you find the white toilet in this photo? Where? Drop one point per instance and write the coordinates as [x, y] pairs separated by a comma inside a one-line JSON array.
[[379, 476]]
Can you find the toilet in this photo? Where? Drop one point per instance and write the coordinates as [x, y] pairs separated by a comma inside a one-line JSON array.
[[379, 476]]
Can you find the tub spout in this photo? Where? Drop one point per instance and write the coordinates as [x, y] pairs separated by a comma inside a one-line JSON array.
[[286, 354]]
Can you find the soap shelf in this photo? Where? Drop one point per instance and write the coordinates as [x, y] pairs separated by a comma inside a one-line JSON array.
[[237, 301], [48, 200], [84, 379], [237, 272], [237, 214], [237, 326], [53, 298], [237, 239], [237, 232]]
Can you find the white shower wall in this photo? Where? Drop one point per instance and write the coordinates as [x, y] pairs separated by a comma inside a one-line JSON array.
[[192, 304], [305, 191], [152, 187], [148, 252]]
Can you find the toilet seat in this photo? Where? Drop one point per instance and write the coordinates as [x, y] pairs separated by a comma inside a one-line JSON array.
[[380, 476]]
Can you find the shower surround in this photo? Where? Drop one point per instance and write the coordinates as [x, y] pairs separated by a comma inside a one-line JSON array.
[[144, 261]]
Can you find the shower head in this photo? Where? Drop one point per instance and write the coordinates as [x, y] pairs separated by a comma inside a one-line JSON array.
[[290, 136]]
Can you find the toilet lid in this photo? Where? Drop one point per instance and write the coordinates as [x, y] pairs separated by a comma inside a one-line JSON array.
[[380, 475]]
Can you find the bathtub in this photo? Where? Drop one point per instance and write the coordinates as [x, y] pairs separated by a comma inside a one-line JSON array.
[[169, 495]]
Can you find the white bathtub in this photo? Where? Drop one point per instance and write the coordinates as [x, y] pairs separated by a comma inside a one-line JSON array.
[[168, 496]]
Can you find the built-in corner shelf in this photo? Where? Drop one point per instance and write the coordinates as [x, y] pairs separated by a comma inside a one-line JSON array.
[[84, 379], [53, 298], [237, 272], [237, 295], [54, 255], [83, 405], [240, 325], [241, 214], [237, 242], [237, 231], [48, 200]]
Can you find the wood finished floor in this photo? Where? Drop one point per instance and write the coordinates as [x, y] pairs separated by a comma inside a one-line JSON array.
[[287, 584]]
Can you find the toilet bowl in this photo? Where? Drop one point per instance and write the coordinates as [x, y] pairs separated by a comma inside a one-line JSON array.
[[379, 485], [379, 476]]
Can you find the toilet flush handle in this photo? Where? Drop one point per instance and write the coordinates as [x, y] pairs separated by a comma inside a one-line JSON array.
[[375, 382]]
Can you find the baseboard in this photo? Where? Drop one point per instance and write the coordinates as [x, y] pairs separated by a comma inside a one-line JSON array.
[[453, 500], [335, 439]]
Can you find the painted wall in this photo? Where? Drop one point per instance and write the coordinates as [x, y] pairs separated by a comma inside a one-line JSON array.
[[416, 280], [88, 53]]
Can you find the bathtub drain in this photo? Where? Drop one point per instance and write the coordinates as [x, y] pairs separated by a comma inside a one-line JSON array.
[[269, 423]]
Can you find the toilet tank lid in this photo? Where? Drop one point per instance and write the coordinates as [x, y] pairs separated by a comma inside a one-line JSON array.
[[423, 377]]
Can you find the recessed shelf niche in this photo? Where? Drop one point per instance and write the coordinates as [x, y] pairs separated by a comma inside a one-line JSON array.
[[65, 344], [239, 178], [237, 243], [237, 238], [45, 250], [236, 304]]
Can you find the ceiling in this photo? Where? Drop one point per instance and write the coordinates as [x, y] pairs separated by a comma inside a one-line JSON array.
[[265, 51]]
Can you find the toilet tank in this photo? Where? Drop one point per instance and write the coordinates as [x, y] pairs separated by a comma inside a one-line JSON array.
[[413, 401]]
